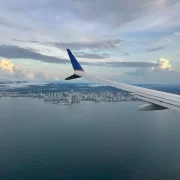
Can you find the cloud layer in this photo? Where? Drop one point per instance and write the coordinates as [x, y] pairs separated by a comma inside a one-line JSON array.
[[112, 34], [89, 45], [14, 52], [163, 74]]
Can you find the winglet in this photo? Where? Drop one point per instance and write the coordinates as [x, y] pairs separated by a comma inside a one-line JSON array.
[[74, 62], [78, 70]]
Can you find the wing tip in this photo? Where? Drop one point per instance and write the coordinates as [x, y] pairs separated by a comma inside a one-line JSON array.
[[74, 62]]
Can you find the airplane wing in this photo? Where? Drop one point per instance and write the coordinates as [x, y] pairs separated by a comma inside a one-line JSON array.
[[156, 100]]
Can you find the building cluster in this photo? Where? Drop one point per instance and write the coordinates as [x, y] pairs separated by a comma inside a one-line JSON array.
[[72, 97]]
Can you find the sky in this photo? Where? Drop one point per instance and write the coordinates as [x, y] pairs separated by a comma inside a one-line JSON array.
[[133, 41]]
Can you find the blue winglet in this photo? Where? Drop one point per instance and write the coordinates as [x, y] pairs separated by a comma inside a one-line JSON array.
[[74, 62]]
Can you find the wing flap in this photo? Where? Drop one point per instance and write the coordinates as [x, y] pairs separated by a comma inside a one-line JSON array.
[[163, 104]]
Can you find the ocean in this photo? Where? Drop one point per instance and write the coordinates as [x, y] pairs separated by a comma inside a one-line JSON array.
[[87, 141]]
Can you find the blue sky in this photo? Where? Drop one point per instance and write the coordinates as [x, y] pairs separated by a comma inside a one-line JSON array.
[[102, 34]]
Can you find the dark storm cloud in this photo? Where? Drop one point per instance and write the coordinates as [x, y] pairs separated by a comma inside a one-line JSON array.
[[15, 52], [155, 49], [22, 53]]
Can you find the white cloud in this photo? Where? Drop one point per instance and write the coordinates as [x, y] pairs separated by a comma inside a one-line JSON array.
[[10, 71], [164, 74], [164, 64]]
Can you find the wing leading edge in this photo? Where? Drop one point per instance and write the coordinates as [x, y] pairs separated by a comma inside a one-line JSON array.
[[156, 100]]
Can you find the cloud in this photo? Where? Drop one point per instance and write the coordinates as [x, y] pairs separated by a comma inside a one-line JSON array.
[[6, 65], [164, 64], [98, 32], [167, 39], [83, 49], [177, 34], [155, 49], [10, 24], [23, 41], [128, 64], [91, 55], [15, 52], [10, 71], [163, 42], [162, 74], [119, 12], [125, 54], [88, 45]]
